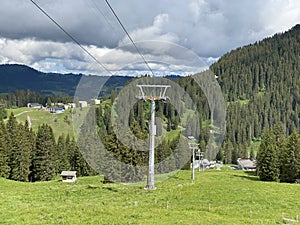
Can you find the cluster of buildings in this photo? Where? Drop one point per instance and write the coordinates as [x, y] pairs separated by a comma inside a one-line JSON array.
[[242, 164], [61, 107]]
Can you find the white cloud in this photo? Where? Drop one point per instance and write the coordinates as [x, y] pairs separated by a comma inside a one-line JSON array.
[[279, 16], [154, 32], [45, 55], [209, 28], [51, 56]]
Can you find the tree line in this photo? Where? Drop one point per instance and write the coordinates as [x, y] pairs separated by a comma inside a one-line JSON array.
[[20, 98], [26, 155], [278, 158]]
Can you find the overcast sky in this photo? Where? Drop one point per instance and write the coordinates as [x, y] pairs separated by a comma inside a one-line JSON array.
[[164, 30]]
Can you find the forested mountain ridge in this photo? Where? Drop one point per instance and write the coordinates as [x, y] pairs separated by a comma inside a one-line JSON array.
[[20, 77], [272, 62], [261, 84]]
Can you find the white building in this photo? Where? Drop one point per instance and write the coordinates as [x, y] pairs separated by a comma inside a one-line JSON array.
[[34, 105], [96, 101], [68, 176], [83, 104], [70, 106]]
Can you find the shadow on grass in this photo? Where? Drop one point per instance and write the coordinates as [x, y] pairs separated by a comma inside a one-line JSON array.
[[93, 187], [249, 175], [110, 189]]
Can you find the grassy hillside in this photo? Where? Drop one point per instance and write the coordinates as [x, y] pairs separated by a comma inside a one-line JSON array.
[[60, 123], [63, 123], [216, 197]]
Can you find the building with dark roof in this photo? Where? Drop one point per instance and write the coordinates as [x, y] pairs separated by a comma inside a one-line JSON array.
[[246, 164], [68, 176]]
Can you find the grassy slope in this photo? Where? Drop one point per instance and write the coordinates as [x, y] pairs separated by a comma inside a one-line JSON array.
[[216, 197], [58, 122]]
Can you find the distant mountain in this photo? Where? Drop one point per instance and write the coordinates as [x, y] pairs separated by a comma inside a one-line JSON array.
[[20, 77]]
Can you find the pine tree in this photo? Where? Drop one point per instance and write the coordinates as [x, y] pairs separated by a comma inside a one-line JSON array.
[[4, 168], [290, 159], [280, 140], [19, 150], [25, 152], [234, 155], [3, 113], [267, 158], [44, 162], [63, 162], [77, 161]]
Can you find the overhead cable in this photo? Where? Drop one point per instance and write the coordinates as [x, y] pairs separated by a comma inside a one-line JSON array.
[[71, 37], [126, 32]]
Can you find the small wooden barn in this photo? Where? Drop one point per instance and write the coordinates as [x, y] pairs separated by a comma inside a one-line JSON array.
[[68, 176]]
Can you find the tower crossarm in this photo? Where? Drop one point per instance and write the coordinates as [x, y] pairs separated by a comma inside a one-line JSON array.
[[157, 96]]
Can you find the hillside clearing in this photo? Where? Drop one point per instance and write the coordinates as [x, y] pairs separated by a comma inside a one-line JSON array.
[[60, 123]]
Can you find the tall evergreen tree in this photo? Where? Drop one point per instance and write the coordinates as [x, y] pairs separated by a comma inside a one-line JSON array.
[[25, 152], [19, 155], [234, 155], [4, 168], [290, 162], [44, 163], [19, 150], [267, 158], [63, 162], [280, 140], [77, 161]]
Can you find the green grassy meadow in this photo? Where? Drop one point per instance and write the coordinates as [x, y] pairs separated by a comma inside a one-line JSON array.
[[215, 197], [60, 123]]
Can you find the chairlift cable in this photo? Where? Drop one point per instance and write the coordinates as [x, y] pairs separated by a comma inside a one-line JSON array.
[[71, 37], [128, 35], [97, 8]]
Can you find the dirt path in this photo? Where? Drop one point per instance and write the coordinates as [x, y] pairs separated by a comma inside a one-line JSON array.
[[21, 113]]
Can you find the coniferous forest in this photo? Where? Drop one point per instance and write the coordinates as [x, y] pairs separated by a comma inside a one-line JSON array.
[[279, 156], [36, 156], [260, 84]]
